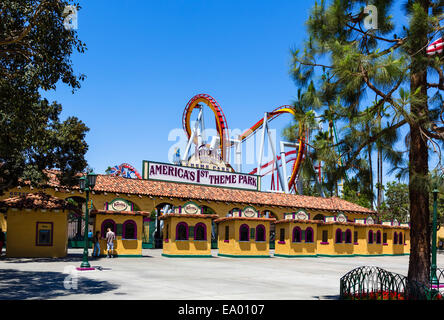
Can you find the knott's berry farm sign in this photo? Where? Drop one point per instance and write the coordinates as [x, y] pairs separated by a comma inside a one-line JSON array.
[[213, 178]]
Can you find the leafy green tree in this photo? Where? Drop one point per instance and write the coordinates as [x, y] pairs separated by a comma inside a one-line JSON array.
[[392, 65], [355, 192], [35, 55], [396, 204]]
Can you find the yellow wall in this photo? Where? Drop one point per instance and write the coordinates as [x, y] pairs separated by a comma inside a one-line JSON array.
[[22, 232], [245, 248], [290, 248], [190, 247], [3, 222], [122, 247]]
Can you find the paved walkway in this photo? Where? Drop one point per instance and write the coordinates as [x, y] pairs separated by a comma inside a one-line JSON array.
[[157, 277]]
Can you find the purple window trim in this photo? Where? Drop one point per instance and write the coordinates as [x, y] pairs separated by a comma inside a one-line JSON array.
[[177, 231], [312, 235], [102, 228], [324, 242], [226, 241], [385, 244], [340, 236], [281, 242], [124, 229], [370, 239], [37, 234], [261, 226], [166, 240], [200, 224], [356, 243], [294, 234], [378, 237], [240, 232], [348, 235]]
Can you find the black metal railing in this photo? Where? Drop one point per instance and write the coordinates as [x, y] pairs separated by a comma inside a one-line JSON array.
[[374, 283]]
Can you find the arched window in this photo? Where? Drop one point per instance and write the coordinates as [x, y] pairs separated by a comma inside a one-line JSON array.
[[370, 236], [309, 235], [244, 233], [319, 217], [395, 238], [129, 230], [297, 234], [108, 224], [400, 238], [348, 236], [338, 236], [260, 233], [378, 237], [200, 231], [182, 231]]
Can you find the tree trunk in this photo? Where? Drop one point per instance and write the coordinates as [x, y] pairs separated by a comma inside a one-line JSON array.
[[419, 263]]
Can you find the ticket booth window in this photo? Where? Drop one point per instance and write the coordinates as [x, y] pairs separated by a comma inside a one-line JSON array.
[[129, 230], [260, 233], [378, 237], [384, 237], [309, 235], [400, 238], [182, 231], [338, 236], [227, 233], [348, 236], [44, 234], [108, 224], [395, 238], [244, 233], [297, 234], [370, 236], [282, 234], [325, 236], [200, 232]]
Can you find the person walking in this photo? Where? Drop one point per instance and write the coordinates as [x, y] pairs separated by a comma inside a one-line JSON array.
[[2, 240], [110, 237], [96, 244]]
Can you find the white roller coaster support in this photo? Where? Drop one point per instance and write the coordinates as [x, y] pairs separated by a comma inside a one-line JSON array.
[[273, 149], [284, 144], [261, 148], [193, 134]]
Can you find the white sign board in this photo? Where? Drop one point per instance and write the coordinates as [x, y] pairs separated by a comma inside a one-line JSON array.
[[213, 178]]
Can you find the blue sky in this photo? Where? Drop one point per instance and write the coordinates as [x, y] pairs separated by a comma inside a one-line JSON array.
[[146, 59]]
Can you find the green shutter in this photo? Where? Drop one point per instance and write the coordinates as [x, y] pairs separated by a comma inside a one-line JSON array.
[[119, 230], [252, 230], [343, 236], [191, 232], [303, 235]]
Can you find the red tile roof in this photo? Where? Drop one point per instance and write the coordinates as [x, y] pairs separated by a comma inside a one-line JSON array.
[[106, 183], [39, 200]]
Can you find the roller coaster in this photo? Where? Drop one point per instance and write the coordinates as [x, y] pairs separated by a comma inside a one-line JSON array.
[[224, 143]]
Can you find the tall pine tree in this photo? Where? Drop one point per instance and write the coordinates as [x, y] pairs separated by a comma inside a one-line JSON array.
[[391, 64]]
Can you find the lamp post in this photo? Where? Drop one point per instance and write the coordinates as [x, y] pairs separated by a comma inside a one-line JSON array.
[[86, 184], [433, 277]]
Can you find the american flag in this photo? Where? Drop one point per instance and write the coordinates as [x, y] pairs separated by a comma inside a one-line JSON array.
[[435, 47]]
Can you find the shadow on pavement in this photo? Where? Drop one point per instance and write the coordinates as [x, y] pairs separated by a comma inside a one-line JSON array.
[[331, 297], [68, 258], [20, 285]]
